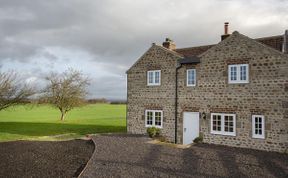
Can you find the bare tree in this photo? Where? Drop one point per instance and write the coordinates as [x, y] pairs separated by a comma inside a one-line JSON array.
[[12, 91], [66, 91]]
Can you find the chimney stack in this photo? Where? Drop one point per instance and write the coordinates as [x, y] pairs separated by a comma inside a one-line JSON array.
[[226, 28], [285, 42], [169, 44], [226, 33]]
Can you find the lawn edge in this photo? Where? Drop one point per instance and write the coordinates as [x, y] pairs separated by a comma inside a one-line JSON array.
[[88, 162]]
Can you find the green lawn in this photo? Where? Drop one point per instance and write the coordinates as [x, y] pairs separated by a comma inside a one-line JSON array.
[[42, 122]]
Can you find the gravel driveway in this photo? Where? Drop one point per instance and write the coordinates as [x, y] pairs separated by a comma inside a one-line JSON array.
[[131, 156], [44, 159]]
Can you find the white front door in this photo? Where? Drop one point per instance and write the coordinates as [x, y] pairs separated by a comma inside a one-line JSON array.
[[190, 126]]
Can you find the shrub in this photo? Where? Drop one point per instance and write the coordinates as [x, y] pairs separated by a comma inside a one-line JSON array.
[[153, 132], [198, 139]]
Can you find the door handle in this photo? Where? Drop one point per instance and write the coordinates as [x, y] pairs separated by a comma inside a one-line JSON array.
[[184, 129]]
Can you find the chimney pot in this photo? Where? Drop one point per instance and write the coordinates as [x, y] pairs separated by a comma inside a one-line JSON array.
[[226, 34], [226, 24], [169, 44]]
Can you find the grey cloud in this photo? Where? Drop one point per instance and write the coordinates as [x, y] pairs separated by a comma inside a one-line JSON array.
[[117, 33], [112, 28]]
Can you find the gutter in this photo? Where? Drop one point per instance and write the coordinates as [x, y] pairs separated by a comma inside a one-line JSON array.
[[179, 65], [190, 60], [127, 103]]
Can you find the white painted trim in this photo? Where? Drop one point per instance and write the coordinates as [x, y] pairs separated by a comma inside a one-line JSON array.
[[238, 81], [222, 132], [183, 126], [153, 82], [153, 118], [146, 125], [262, 136], [187, 77]]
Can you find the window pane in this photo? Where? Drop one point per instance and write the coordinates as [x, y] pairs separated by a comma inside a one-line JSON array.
[[233, 73], [191, 77], [158, 118], [149, 119], [150, 75], [258, 126], [219, 128], [216, 123], [228, 123], [157, 77], [243, 73]]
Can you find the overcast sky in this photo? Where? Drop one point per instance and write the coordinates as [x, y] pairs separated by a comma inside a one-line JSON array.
[[103, 38]]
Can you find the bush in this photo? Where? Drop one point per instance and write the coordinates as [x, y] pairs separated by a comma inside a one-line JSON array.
[[153, 132], [198, 139]]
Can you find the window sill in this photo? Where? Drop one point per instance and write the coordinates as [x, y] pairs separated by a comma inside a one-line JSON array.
[[238, 82], [159, 127], [258, 137], [223, 133], [149, 85]]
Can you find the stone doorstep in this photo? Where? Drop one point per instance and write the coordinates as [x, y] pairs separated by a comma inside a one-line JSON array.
[[181, 146]]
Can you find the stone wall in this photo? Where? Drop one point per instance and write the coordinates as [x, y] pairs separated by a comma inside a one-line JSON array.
[[142, 97], [265, 94]]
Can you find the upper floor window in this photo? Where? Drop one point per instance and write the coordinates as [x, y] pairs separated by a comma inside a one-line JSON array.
[[153, 77], [258, 129], [223, 124], [238, 73], [153, 118], [191, 77]]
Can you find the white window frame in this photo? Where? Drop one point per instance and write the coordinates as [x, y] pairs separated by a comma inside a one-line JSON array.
[[153, 83], [238, 73], [187, 78], [153, 118], [222, 132], [262, 136]]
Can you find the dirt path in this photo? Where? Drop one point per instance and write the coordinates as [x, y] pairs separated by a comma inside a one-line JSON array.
[[44, 159]]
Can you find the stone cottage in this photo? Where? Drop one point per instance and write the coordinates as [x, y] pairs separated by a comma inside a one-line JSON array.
[[232, 93]]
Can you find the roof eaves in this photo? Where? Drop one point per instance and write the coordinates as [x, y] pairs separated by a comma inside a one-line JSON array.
[[158, 46], [268, 37], [194, 47], [171, 51]]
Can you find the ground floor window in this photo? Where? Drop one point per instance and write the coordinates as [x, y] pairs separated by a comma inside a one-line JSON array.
[[154, 118], [258, 126], [223, 124]]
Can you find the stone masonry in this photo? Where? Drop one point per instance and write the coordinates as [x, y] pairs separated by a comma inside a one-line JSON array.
[[265, 94], [142, 97]]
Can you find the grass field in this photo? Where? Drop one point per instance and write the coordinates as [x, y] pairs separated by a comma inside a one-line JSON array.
[[42, 122]]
